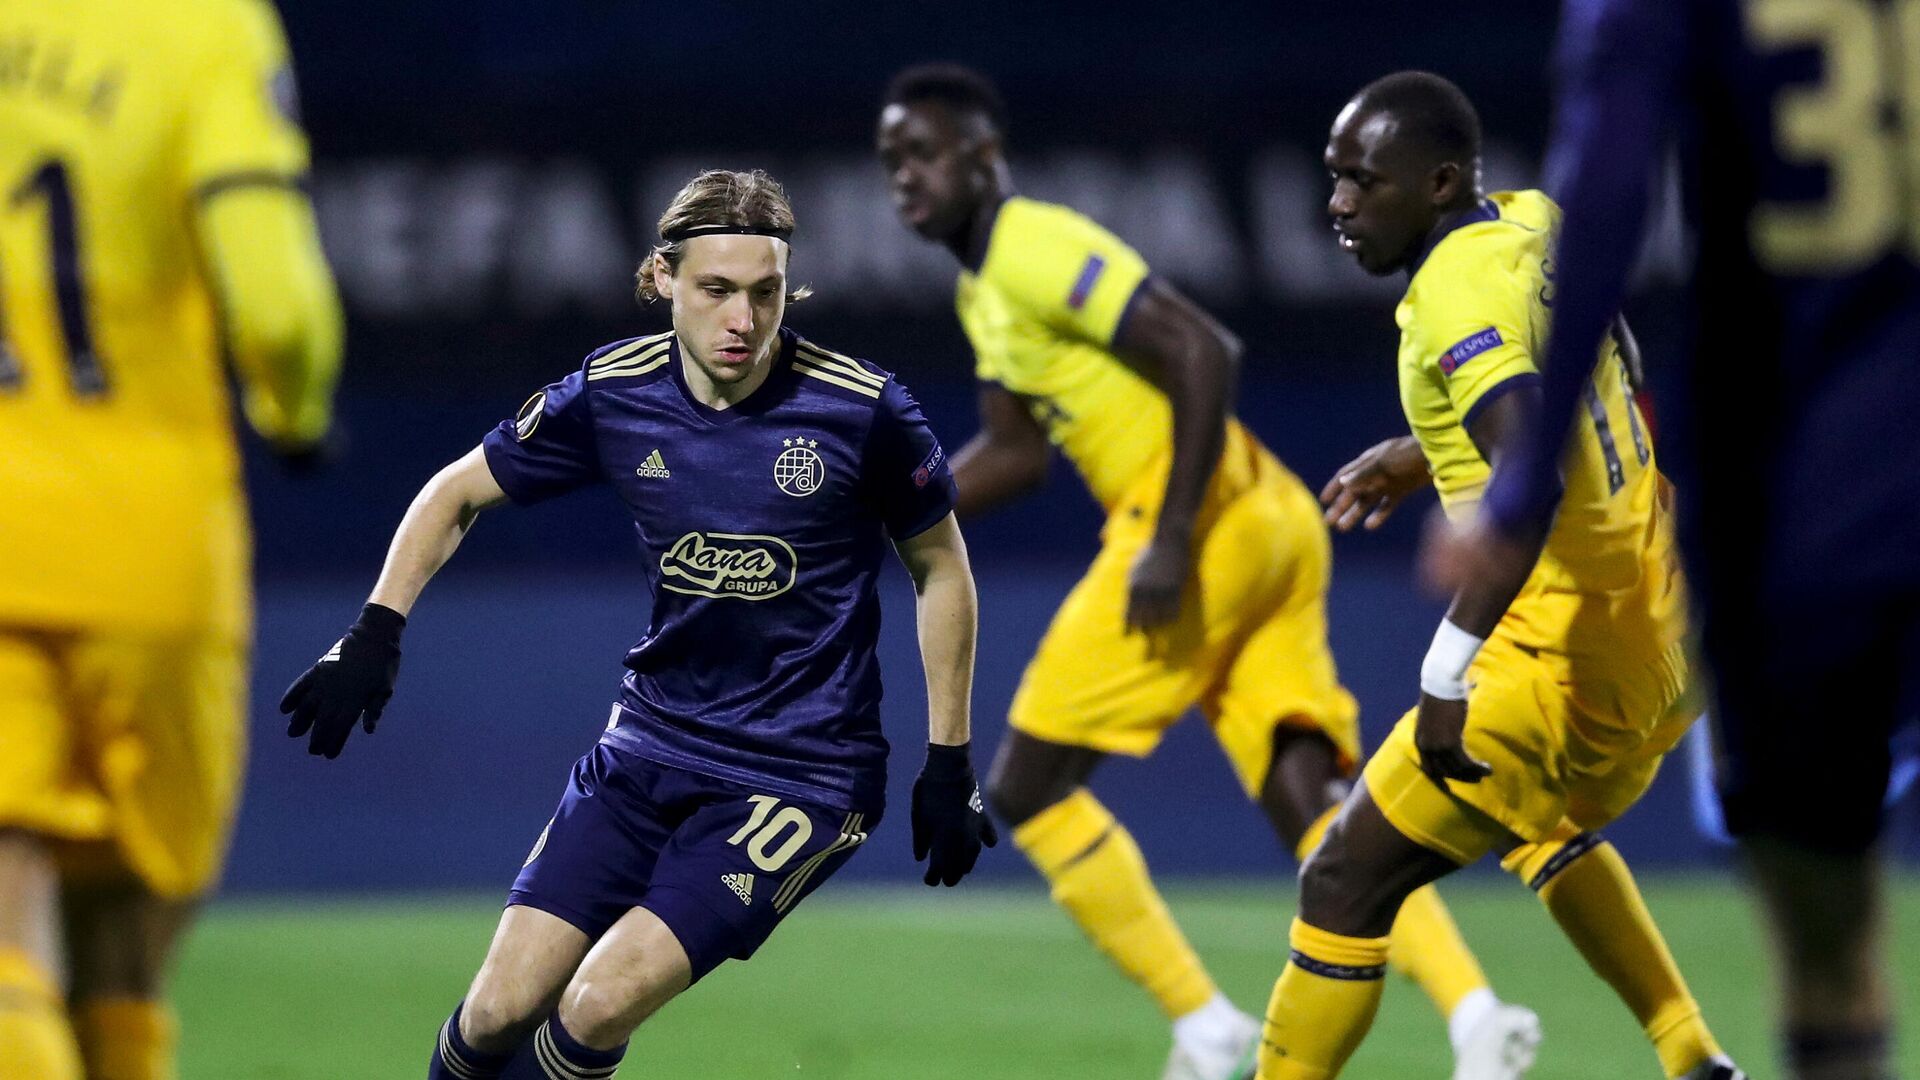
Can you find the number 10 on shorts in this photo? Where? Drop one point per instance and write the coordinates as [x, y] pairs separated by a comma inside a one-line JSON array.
[[773, 839]]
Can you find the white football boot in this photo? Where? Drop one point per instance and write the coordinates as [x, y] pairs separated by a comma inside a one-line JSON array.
[[1501, 1045], [1227, 1048]]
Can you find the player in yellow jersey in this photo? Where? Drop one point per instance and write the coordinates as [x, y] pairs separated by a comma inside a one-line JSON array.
[[1209, 588], [150, 214], [1545, 702]]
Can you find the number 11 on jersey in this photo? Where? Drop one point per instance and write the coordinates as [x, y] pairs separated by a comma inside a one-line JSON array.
[[50, 185]]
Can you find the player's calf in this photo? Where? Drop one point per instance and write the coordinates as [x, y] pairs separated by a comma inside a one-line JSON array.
[[1588, 889]]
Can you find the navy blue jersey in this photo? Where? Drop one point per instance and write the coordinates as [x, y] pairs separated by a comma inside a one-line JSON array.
[[1798, 130], [763, 527]]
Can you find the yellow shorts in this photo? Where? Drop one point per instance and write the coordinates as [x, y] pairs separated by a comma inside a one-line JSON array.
[[127, 750], [1249, 646], [1562, 751]]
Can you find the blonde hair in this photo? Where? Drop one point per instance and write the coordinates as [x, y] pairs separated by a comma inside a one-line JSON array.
[[716, 197]]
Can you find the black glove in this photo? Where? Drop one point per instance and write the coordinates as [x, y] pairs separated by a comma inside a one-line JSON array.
[[949, 823], [354, 678]]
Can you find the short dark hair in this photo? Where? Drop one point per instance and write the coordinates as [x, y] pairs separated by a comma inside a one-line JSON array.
[[954, 85], [1430, 108]]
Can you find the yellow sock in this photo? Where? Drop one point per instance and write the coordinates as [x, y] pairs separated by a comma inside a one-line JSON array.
[[1426, 946], [1586, 885], [127, 1038], [1322, 1005], [1098, 875], [35, 1039]]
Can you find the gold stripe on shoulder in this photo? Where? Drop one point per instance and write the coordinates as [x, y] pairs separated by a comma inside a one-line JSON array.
[[834, 377], [636, 367], [837, 362], [644, 357], [630, 349]]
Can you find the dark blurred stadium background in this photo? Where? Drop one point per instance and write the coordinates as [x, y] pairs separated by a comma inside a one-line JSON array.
[[488, 173]]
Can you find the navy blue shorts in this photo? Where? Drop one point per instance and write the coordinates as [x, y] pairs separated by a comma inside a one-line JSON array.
[[719, 863], [1809, 700], [1804, 540]]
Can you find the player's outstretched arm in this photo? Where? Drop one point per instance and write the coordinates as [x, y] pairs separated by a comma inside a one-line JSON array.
[[1478, 606], [281, 312], [950, 823], [1622, 66], [243, 161], [1372, 485], [1195, 361], [1006, 459], [433, 528], [353, 681]]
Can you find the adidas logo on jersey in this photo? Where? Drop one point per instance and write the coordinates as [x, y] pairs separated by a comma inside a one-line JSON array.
[[741, 884], [654, 467]]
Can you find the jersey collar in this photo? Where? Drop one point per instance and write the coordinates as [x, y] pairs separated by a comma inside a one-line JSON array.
[[764, 396], [973, 260], [1487, 210]]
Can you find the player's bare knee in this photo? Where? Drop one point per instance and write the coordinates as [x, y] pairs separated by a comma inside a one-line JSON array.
[[1327, 881], [597, 1018], [1339, 893], [1017, 795], [121, 938], [1029, 775], [498, 1016], [1009, 800], [603, 1013]]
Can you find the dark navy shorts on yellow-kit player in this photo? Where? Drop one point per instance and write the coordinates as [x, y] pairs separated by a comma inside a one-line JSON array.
[[718, 862]]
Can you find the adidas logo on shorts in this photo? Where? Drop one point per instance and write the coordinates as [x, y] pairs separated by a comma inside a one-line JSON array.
[[741, 884], [654, 467]]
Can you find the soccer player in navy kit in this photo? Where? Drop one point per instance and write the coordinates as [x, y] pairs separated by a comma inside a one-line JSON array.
[[744, 762], [1797, 126]]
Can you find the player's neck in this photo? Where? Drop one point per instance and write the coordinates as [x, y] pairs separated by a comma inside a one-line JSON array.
[[1450, 219], [969, 243], [719, 395]]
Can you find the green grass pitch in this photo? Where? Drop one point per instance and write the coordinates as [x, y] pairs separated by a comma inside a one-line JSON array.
[[965, 984]]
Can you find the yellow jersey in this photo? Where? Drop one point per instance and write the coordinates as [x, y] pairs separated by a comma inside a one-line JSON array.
[[123, 506], [1042, 313], [1473, 325]]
